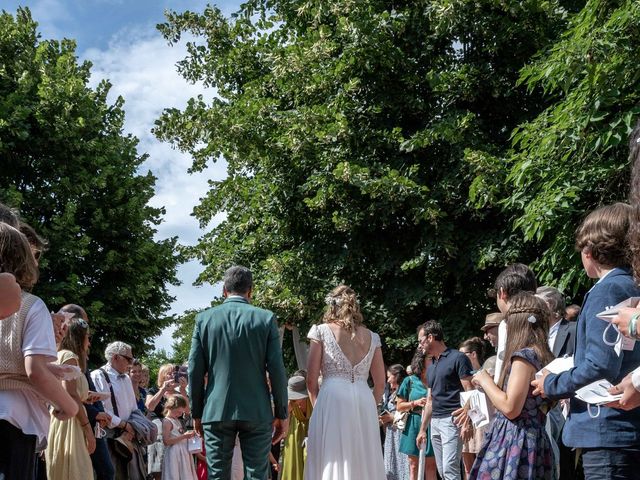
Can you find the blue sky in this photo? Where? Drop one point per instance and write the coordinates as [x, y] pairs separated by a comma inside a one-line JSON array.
[[120, 39]]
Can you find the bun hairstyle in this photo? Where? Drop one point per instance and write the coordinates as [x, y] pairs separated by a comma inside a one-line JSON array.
[[173, 402], [343, 308], [527, 327]]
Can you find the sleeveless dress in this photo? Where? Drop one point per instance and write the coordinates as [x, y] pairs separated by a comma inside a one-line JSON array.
[[344, 434], [66, 455], [294, 450], [518, 449], [177, 462]]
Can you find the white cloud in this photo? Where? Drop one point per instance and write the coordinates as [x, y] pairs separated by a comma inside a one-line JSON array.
[[141, 68]]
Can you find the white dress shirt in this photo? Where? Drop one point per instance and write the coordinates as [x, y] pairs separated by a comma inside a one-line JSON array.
[[122, 390], [553, 333]]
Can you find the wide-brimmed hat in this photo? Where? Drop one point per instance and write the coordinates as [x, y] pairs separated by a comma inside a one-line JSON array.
[[492, 320], [297, 388]]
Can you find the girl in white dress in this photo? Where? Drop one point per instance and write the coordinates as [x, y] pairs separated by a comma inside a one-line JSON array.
[[344, 434], [177, 462]]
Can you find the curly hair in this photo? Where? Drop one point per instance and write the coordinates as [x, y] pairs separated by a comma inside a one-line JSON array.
[[528, 327], [604, 233], [343, 309]]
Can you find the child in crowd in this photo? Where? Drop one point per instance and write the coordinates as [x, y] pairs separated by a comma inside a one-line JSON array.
[[609, 437], [517, 445], [177, 461], [28, 345], [299, 414]]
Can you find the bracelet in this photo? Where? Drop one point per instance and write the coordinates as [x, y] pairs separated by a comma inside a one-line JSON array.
[[85, 424]]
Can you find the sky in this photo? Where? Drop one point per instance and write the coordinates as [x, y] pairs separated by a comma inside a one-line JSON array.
[[120, 39]]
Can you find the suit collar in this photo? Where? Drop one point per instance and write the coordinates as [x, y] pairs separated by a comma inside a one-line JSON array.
[[561, 336], [236, 298]]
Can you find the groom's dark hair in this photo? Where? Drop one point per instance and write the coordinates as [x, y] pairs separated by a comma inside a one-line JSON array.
[[238, 279]]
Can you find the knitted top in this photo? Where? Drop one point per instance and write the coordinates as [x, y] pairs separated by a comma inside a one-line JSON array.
[[13, 375]]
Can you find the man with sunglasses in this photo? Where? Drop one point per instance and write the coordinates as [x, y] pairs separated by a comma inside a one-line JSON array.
[[112, 378]]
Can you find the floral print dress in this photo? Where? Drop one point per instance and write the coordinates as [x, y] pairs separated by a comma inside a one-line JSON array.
[[520, 448]]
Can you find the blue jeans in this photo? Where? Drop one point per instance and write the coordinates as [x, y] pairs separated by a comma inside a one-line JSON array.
[[101, 461], [611, 463], [255, 443], [447, 447]]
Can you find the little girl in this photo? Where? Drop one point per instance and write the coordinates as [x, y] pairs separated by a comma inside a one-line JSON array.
[[517, 446], [177, 461]]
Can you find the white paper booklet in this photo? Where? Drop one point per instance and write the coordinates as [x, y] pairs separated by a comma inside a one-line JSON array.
[[610, 312], [559, 365], [596, 393], [479, 411]]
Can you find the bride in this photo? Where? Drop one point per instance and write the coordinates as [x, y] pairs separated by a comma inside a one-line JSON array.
[[344, 434]]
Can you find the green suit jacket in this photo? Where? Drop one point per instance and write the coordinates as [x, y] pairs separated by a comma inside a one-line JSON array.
[[236, 344]]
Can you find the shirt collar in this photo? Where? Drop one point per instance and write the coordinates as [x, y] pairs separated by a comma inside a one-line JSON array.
[[112, 371], [554, 328]]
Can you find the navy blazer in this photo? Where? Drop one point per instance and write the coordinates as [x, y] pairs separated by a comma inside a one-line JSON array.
[[593, 361], [565, 343]]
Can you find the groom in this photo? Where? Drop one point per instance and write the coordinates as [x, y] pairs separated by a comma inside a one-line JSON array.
[[236, 344]]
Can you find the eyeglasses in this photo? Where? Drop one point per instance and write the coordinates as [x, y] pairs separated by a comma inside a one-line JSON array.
[[129, 359]]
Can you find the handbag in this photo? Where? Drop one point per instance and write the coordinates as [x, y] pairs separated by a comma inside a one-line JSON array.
[[400, 418]]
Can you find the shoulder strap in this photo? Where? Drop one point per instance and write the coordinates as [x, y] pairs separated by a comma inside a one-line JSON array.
[[113, 397]]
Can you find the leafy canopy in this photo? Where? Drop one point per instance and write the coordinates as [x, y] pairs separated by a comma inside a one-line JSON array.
[[74, 176]]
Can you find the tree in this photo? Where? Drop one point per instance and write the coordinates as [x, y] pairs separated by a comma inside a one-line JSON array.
[[73, 174], [573, 156], [354, 132]]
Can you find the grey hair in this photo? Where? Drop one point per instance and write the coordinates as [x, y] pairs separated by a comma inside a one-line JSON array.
[[554, 298], [116, 348], [238, 279]]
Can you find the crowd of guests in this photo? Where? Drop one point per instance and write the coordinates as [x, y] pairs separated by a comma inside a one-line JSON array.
[[61, 420]]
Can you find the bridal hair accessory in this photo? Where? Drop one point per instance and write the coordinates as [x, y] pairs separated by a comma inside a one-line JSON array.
[[333, 301], [532, 319]]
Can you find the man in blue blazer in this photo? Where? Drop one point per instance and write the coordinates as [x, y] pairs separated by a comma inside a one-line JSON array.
[[608, 438], [236, 344]]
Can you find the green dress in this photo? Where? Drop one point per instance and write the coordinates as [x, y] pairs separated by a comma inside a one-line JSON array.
[[412, 388], [295, 453]]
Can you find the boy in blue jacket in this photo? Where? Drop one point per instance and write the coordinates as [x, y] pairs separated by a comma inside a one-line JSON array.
[[608, 438]]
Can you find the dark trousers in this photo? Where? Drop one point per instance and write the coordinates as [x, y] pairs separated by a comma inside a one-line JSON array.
[[101, 460], [611, 463], [17, 454], [255, 443]]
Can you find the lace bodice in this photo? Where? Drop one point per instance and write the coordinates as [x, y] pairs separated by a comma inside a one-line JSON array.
[[334, 361]]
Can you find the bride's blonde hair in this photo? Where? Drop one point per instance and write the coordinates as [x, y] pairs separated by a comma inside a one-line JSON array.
[[343, 308]]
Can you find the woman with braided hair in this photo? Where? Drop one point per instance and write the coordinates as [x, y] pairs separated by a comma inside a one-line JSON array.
[[517, 446], [344, 440]]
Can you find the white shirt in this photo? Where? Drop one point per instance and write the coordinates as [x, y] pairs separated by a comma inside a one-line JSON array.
[[122, 390], [25, 409], [502, 345], [635, 378], [553, 333]]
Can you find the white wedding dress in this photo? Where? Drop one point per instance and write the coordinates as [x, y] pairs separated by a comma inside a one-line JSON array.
[[344, 434]]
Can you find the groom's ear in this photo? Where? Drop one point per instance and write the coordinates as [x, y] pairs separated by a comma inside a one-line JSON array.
[[250, 293], [225, 294]]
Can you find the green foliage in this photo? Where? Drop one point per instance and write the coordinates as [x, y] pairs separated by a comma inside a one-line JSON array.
[[74, 177], [572, 157], [364, 142]]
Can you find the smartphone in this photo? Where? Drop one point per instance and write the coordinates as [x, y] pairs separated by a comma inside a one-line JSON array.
[[176, 374]]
